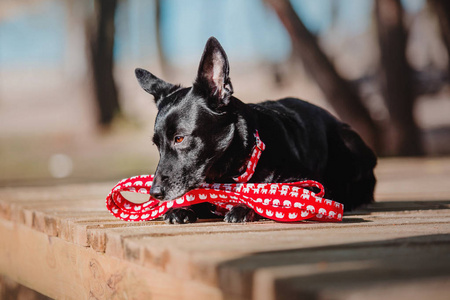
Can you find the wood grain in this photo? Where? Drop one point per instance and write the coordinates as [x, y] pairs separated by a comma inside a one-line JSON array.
[[61, 242]]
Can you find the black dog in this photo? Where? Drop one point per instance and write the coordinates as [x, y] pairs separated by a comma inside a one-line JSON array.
[[204, 134]]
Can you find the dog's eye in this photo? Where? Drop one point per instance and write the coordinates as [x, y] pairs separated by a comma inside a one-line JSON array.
[[179, 139]]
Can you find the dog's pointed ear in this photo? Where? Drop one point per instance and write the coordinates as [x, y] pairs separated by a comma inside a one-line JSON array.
[[213, 73], [152, 84]]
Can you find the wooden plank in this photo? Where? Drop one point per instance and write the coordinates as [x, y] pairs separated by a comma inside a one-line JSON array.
[[382, 270], [208, 250], [59, 223], [10, 289], [207, 256], [98, 235], [74, 229], [47, 218], [413, 179], [116, 239], [60, 269], [64, 225]]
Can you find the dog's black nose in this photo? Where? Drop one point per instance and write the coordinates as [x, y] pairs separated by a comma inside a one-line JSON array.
[[157, 192]]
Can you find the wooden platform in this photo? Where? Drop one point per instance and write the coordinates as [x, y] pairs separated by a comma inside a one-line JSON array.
[[61, 242]]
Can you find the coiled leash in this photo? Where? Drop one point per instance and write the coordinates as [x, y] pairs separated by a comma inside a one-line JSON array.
[[285, 202]]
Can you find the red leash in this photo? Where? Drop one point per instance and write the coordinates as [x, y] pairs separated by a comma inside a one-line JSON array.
[[287, 202], [250, 166]]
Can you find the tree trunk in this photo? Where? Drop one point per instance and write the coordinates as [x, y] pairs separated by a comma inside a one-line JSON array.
[[396, 79], [101, 42], [338, 92], [442, 9]]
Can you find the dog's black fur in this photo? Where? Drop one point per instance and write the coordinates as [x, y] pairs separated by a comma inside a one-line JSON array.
[[204, 134]]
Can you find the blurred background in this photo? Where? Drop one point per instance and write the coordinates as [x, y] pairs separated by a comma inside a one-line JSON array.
[[71, 109]]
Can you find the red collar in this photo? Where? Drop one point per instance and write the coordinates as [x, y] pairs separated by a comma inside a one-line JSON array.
[[250, 166]]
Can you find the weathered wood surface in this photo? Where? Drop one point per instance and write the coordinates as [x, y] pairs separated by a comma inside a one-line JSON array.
[[62, 242]]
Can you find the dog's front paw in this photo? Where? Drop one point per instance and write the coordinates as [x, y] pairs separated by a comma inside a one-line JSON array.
[[180, 216], [240, 214]]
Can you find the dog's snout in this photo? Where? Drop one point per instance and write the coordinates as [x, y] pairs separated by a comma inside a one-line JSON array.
[[157, 192]]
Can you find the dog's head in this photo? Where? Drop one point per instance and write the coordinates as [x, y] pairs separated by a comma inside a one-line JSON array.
[[194, 125]]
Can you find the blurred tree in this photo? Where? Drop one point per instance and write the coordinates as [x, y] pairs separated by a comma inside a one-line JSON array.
[[442, 9], [100, 36], [338, 92], [396, 79]]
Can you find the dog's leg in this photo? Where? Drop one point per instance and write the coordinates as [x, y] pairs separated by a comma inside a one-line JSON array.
[[241, 213], [181, 215], [205, 211]]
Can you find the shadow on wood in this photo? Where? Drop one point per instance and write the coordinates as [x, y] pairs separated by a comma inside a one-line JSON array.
[[342, 271]]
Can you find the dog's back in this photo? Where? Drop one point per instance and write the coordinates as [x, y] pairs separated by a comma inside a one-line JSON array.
[[317, 146]]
